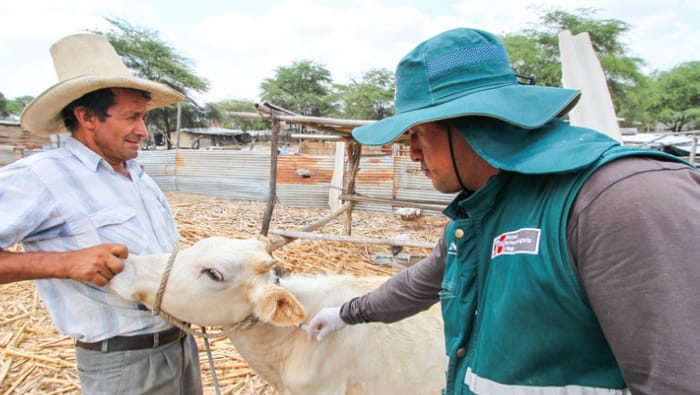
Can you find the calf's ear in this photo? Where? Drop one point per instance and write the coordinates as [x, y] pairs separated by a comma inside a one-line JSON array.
[[279, 307]]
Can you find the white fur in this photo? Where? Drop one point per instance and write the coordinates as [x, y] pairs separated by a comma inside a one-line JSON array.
[[405, 357]]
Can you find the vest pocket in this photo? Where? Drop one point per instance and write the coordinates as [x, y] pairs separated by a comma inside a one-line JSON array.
[[452, 332]]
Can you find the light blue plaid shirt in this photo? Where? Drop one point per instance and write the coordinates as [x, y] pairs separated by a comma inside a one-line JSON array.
[[70, 198]]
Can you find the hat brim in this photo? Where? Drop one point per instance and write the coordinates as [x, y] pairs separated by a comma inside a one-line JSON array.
[[525, 106], [556, 147], [42, 115]]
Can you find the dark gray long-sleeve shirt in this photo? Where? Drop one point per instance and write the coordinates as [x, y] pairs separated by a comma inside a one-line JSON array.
[[633, 236]]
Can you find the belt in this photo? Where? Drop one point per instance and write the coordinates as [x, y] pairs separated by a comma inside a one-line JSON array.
[[138, 342]]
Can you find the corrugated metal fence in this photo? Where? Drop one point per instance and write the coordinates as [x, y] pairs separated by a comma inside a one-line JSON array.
[[302, 180]]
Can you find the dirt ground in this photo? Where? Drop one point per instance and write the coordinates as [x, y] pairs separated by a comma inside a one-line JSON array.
[[35, 359]]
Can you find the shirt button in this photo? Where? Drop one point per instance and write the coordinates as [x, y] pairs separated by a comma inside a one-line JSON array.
[[461, 353], [459, 233]]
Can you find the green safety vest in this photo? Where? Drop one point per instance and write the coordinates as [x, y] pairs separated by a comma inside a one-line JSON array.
[[516, 318]]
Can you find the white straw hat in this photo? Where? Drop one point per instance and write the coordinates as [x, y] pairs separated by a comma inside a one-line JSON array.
[[84, 63]]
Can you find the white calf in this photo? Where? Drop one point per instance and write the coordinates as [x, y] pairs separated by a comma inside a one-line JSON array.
[[230, 283]]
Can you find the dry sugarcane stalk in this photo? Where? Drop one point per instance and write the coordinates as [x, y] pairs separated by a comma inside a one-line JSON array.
[[29, 370], [17, 318], [27, 324], [13, 343], [37, 357]]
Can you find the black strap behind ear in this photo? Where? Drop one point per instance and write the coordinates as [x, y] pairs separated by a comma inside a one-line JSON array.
[[452, 156]]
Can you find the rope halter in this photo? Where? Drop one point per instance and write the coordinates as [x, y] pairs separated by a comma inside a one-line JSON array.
[[186, 327]]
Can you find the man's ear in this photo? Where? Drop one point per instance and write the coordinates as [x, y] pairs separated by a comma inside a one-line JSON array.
[[85, 118], [279, 307]]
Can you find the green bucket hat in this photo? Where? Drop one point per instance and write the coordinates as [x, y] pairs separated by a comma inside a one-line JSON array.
[[464, 72], [556, 147]]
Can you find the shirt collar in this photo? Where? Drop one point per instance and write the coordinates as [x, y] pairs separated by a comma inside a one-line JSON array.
[[470, 204], [91, 160]]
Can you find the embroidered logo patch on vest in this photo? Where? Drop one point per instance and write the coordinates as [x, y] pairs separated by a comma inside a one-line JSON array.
[[521, 241], [452, 250]]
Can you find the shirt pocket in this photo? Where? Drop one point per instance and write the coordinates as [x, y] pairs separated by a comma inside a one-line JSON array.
[[119, 225]]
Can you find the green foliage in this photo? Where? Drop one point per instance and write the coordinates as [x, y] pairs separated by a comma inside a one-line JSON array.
[[676, 96], [304, 88], [536, 51], [194, 115], [370, 98], [147, 56], [533, 53], [233, 122], [3, 107], [635, 107], [16, 105], [307, 88]]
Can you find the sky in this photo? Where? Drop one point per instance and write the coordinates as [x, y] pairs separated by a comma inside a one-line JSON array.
[[235, 45]]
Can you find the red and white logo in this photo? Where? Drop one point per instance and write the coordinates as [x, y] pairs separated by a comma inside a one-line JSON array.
[[521, 241]]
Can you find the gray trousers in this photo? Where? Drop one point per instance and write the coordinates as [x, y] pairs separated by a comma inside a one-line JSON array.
[[171, 369]]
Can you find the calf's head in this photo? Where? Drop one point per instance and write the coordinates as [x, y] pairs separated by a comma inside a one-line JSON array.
[[216, 282]]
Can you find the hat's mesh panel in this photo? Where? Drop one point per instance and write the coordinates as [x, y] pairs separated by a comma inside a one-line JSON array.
[[465, 56]]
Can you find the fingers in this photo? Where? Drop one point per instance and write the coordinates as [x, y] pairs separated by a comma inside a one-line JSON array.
[[312, 329], [119, 250], [99, 264], [115, 264], [317, 329], [100, 279], [326, 321], [306, 328], [112, 263], [320, 334]]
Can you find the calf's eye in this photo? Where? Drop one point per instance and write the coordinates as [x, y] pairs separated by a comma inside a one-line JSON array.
[[213, 274]]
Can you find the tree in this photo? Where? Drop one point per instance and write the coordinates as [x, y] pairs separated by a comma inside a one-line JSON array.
[[637, 105], [3, 107], [233, 122], [536, 51], [147, 56], [676, 96], [13, 107], [370, 98], [16, 105], [304, 88]]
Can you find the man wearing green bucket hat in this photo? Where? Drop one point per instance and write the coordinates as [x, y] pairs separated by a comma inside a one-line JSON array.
[[565, 267]]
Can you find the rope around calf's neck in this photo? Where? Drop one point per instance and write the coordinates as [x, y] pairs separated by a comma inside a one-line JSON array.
[[164, 281], [186, 327], [180, 324]]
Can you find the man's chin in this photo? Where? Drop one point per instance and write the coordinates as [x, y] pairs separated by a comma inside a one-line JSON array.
[[445, 188], [131, 153]]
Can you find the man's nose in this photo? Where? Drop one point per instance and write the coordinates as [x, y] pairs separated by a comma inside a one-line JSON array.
[[415, 152], [141, 129]]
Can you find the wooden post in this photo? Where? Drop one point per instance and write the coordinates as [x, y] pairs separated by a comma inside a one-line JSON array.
[[336, 187], [354, 151], [297, 234], [277, 243], [177, 126], [272, 197]]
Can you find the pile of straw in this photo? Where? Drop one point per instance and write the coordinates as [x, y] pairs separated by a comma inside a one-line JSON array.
[[35, 359]]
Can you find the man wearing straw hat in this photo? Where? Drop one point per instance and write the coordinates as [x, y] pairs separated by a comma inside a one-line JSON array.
[[569, 264], [80, 209]]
